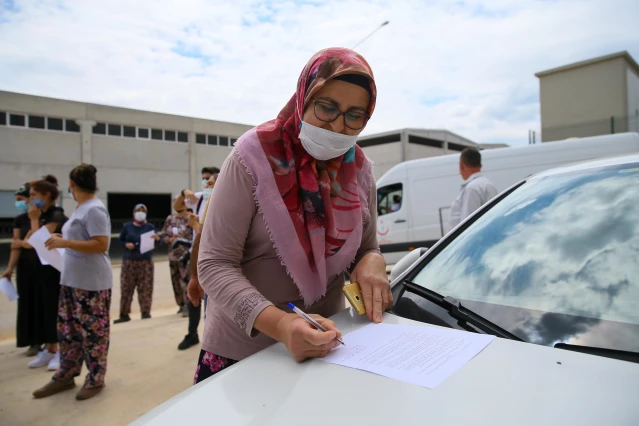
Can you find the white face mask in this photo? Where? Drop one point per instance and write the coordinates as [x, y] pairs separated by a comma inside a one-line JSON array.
[[204, 183], [324, 144], [140, 216]]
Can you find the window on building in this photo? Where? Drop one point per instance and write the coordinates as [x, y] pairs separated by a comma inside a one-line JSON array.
[[99, 129], [55, 124], [143, 133], [233, 140], [157, 134], [128, 131], [72, 126], [169, 135], [3, 118], [115, 130], [201, 139], [212, 139], [183, 137], [224, 141], [37, 122], [456, 147], [17, 120]]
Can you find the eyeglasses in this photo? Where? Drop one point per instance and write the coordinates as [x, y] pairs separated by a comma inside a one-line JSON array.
[[328, 113]]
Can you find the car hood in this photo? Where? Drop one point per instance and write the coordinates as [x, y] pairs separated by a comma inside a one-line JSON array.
[[508, 382]]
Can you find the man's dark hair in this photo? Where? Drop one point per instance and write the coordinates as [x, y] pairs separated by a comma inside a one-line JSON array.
[[210, 170], [471, 157], [397, 199]]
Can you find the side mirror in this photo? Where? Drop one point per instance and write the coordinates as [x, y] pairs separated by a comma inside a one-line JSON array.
[[405, 263]]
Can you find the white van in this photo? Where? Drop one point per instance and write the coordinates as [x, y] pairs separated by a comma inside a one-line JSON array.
[[414, 197]]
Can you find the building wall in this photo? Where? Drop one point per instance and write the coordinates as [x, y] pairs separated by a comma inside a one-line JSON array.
[[579, 102], [632, 83], [125, 164], [416, 152], [385, 157]]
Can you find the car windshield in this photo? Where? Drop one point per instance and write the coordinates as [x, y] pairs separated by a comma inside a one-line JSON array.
[[563, 249]]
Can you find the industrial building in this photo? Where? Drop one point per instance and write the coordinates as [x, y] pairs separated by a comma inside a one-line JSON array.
[[590, 98], [391, 148], [141, 156]]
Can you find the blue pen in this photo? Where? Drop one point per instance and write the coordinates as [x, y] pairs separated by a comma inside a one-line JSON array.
[[310, 320]]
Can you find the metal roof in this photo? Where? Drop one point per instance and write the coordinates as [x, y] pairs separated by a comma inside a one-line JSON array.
[[624, 54]]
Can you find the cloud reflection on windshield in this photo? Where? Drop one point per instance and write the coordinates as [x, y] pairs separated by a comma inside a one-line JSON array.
[[574, 250]]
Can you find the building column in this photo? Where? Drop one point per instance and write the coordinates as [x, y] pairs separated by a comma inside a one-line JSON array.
[[86, 130], [404, 142], [445, 142], [194, 177]]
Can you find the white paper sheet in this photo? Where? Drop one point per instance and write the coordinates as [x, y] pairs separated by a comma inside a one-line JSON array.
[[7, 288], [47, 257], [425, 356], [147, 243]]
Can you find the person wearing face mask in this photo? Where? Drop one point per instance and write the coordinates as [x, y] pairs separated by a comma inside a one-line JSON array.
[[85, 295], [193, 304], [44, 212], [137, 268], [196, 201], [22, 259], [176, 227], [303, 211]]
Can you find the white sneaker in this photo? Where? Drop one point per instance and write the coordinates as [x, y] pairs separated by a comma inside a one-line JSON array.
[[54, 364], [43, 358]]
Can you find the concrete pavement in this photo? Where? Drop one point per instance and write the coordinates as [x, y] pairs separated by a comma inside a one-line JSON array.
[[145, 368]]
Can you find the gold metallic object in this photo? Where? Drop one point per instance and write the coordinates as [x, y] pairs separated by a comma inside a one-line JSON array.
[[354, 296]]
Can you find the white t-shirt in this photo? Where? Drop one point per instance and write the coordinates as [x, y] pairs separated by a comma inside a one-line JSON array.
[[194, 207]]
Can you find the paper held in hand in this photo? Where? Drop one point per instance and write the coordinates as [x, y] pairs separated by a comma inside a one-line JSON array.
[[425, 356], [47, 257], [7, 288], [147, 241]]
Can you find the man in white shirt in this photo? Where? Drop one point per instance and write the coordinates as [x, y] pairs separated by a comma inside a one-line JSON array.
[[475, 191], [197, 203]]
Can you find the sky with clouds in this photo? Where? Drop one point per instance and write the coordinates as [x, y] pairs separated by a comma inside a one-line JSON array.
[[466, 66]]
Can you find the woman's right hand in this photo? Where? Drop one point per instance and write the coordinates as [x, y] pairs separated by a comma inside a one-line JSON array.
[[34, 213], [130, 246], [304, 341], [7, 274]]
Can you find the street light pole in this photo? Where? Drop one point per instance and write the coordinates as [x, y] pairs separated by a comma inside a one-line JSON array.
[[373, 32]]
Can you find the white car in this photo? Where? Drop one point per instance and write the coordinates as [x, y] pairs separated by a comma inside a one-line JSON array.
[[551, 267]]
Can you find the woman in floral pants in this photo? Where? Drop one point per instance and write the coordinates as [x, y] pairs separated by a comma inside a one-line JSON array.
[[85, 293], [137, 268]]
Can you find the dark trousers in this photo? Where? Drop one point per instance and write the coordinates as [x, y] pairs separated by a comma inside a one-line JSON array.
[[194, 317]]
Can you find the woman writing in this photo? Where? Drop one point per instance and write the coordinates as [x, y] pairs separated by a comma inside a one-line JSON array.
[[303, 212], [137, 267], [85, 296], [22, 258], [43, 212]]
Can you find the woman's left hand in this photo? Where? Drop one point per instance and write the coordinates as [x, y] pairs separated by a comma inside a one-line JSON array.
[[370, 274], [156, 237], [56, 241]]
